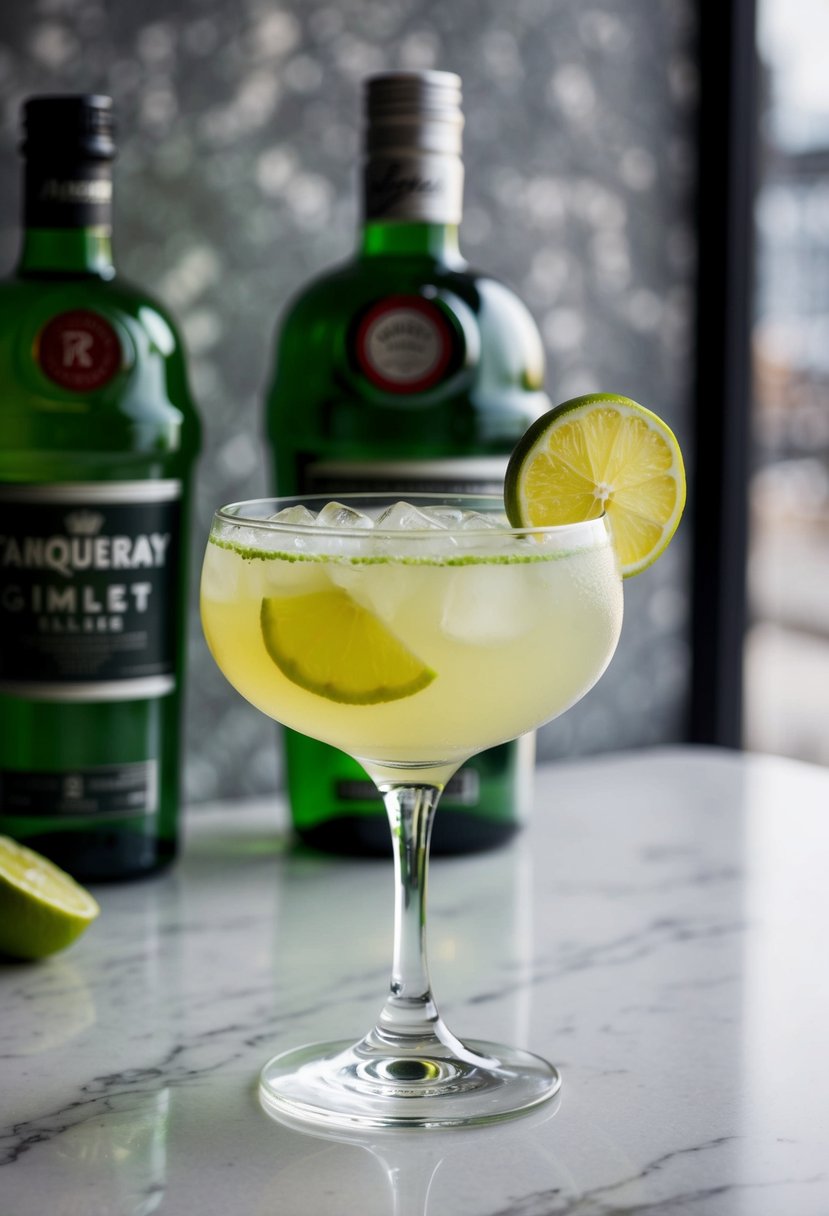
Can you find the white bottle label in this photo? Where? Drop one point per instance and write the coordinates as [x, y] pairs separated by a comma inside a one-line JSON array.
[[404, 344], [414, 187]]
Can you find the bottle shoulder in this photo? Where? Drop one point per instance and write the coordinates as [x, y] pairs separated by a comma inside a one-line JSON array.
[[47, 296], [387, 354], [324, 292], [333, 298], [321, 323], [93, 362]]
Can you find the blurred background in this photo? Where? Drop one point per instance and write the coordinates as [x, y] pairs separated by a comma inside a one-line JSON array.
[[787, 646], [237, 181]]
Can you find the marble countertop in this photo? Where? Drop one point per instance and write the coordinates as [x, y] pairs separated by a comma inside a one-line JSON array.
[[658, 932]]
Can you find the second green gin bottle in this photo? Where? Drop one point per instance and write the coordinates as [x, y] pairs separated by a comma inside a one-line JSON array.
[[401, 371], [98, 437]]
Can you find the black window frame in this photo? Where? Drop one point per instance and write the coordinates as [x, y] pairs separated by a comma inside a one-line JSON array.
[[727, 138]]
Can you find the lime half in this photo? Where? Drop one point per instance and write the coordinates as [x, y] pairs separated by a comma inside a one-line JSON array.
[[594, 454], [42, 909], [330, 645]]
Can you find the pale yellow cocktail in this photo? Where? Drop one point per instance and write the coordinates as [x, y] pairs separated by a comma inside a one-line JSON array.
[[411, 637], [498, 642]]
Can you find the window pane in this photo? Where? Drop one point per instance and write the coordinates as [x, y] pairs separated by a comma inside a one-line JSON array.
[[787, 650]]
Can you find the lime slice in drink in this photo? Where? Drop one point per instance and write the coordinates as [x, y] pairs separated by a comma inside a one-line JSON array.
[[600, 453], [329, 644], [42, 909]]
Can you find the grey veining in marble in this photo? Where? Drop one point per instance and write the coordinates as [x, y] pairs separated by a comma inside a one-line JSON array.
[[659, 932], [236, 182]]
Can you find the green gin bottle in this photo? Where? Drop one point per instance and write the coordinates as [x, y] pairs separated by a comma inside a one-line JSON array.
[[97, 440], [403, 371]]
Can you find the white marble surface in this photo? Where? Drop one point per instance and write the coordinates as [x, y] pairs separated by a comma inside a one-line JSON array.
[[659, 932]]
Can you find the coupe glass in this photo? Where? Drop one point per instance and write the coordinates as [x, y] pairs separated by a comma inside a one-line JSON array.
[[411, 638]]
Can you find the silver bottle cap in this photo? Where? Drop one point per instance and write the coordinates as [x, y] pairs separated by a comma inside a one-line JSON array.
[[413, 134]]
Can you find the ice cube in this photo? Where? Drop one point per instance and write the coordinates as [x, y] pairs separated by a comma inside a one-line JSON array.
[[403, 517], [336, 515], [477, 521], [294, 515], [220, 574], [444, 516], [241, 537], [488, 603]]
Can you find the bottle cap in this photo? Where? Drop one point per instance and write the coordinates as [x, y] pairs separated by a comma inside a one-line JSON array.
[[414, 112], [74, 126]]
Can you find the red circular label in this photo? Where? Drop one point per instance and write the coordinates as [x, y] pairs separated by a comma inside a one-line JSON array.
[[79, 350], [404, 344]]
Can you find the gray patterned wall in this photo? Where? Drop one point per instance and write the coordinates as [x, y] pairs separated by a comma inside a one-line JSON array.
[[236, 182]]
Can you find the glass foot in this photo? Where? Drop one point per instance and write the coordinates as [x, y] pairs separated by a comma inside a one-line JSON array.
[[361, 1085]]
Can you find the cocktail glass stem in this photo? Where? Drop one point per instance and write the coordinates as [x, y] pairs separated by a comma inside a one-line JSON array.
[[409, 1020], [410, 1025], [410, 1009]]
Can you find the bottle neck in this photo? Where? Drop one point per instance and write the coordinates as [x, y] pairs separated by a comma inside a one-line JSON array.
[[401, 239], [67, 218], [412, 205], [71, 251]]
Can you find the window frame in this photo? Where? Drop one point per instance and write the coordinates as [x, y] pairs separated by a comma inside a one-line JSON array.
[[727, 139]]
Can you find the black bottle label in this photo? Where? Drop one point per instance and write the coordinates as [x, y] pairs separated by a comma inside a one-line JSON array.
[[449, 475], [88, 580], [111, 791], [69, 194], [404, 344]]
